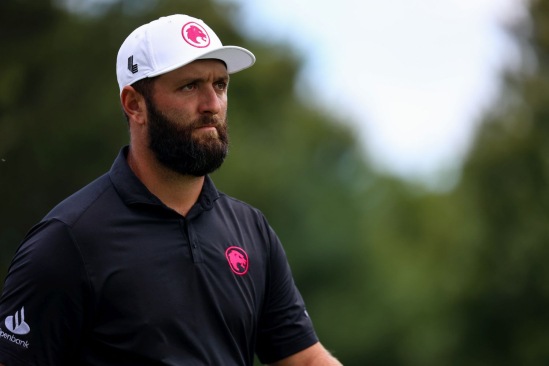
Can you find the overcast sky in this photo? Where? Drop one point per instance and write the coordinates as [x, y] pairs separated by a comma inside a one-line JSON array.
[[411, 76]]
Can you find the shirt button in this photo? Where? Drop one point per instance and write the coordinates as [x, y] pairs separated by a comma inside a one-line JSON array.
[[194, 245]]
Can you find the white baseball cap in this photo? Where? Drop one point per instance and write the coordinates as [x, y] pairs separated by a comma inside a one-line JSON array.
[[170, 42]]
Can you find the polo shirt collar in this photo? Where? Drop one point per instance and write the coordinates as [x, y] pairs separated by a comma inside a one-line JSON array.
[[132, 190]]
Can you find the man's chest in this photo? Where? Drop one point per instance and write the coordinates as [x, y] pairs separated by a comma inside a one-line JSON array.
[[176, 282]]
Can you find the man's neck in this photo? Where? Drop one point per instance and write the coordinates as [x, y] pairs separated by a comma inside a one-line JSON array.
[[179, 192]]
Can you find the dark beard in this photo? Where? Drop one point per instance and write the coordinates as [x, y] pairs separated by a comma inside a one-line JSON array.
[[176, 148]]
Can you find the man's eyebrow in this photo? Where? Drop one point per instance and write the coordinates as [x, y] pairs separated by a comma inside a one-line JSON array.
[[191, 80], [224, 79]]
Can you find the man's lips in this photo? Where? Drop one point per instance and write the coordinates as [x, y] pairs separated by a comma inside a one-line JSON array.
[[207, 128]]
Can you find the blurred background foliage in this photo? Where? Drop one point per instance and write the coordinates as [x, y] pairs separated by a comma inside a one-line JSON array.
[[392, 274]]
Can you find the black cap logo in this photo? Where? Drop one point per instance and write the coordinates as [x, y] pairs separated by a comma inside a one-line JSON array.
[[131, 66]]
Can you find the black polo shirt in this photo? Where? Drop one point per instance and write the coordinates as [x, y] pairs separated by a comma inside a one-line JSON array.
[[112, 276]]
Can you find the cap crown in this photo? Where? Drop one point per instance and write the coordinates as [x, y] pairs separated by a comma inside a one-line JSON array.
[[170, 42]]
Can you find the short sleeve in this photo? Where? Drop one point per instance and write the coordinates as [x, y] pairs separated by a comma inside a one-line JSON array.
[[42, 312], [284, 327]]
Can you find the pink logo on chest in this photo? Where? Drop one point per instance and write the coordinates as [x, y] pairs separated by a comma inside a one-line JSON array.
[[238, 260]]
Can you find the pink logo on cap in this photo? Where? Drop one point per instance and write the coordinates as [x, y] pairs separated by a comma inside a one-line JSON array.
[[238, 260], [195, 35]]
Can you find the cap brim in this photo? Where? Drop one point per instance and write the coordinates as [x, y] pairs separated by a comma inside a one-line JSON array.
[[236, 58]]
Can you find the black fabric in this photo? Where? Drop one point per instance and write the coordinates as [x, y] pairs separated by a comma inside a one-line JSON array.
[[112, 276]]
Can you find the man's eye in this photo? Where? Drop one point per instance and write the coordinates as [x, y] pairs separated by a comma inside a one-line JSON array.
[[221, 85], [187, 87]]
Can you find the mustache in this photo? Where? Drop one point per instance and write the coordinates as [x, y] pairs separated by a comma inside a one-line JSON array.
[[209, 121]]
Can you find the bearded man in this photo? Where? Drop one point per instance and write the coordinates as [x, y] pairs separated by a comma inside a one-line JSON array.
[[150, 264]]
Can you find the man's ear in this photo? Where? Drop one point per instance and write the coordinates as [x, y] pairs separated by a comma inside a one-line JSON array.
[[134, 105]]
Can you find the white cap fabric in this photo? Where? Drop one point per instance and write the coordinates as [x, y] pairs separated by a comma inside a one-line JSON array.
[[170, 42]]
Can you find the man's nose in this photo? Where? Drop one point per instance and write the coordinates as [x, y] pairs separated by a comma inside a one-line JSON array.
[[210, 101]]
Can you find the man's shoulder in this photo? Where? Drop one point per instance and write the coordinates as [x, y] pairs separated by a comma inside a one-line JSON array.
[[238, 205], [73, 207], [244, 214]]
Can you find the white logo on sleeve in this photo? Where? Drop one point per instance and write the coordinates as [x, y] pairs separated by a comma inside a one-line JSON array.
[[16, 324]]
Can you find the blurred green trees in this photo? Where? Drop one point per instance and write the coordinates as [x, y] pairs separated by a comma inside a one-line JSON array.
[[391, 275]]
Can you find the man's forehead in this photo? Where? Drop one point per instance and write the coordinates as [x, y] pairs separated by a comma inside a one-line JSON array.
[[200, 68]]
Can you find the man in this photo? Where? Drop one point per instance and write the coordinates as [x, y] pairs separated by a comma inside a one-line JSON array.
[[150, 264]]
